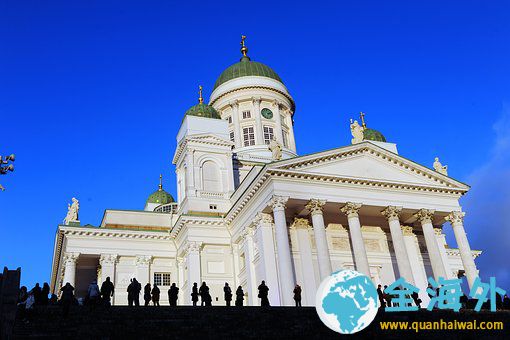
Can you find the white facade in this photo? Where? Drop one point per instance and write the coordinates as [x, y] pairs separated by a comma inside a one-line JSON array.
[[242, 217]]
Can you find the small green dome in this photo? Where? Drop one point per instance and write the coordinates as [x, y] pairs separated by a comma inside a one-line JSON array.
[[203, 110], [160, 197], [371, 134], [246, 68]]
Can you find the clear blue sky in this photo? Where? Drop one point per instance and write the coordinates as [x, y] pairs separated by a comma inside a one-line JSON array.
[[92, 94]]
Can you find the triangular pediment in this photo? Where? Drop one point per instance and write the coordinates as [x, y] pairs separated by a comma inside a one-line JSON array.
[[366, 161], [209, 139]]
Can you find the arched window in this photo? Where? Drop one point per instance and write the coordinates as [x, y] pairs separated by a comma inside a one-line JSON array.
[[211, 176]]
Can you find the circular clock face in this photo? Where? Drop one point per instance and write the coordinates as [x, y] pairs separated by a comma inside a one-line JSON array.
[[266, 113]]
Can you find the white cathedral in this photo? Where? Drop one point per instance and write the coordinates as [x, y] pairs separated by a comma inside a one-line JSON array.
[[249, 209]]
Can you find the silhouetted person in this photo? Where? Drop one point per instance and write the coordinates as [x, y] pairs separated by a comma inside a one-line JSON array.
[[147, 294], [228, 293], [67, 298], [194, 294], [45, 291], [263, 293], [239, 296], [107, 290], [93, 294], [463, 301], [23, 294], [416, 299], [387, 297], [37, 294], [506, 302], [205, 297], [173, 294], [297, 295], [134, 293], [53, 301], [155, 295], [381, 297]]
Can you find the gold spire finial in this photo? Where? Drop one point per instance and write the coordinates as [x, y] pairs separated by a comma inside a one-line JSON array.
[[160, 182], [200, 99], [362, 116], [244, 49]]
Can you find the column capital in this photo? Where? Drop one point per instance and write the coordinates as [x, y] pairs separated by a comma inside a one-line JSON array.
[[193, 247], [438, 231], [248, 232], [256, 100], [262, 218], [180, 261], [71, 258], [108, 259], [455, 217], [407, 230], [425, 215], [392, 213], [278, 202], [143, 260], [275, 103], [234, 104], [300, 223], [351, 209], [315, 206]]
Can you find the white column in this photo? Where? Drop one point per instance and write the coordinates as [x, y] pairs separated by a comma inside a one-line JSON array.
[[302, 229], [249, 254], [358, 245], [70, 268], [266, 246], [413, 251], [456, 219], [286, 276], [237, 126], [235, 261], [180, 283], [321, 241], [259, 133], [441, 241], [278, 121], [404, 266], [107, 262], [193, 261], [143, 269], [292, 140], [425, 217]]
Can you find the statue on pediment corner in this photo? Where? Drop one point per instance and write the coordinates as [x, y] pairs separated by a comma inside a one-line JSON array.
[[357, 132], [438, 167]]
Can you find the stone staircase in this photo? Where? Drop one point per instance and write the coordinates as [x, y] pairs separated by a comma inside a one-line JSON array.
[[122, 322]]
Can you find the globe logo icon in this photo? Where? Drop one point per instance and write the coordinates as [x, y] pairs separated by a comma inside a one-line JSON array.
[[346, 301]]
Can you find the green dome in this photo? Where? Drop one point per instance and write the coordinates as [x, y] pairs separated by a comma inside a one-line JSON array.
[[246, 68], [203, 110], [371, 134], [160, 197]]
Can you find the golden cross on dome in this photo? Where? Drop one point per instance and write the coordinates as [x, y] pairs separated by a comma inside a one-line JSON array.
[[160, 182], [362, 116], [200, 99], [244, 49]]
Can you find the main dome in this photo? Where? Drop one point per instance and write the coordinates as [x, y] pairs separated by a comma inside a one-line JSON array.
[[246, 68]]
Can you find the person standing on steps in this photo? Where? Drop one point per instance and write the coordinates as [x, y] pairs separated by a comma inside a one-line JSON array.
[[205, 297], [297, 295], [239, 296], [194, 294], [93, 294], [173, 294], [155, 295], [136, 292], [67, 298], [381, 297], [263, 293], [45, 291], [228, 293], [147, 294], [107, 290]]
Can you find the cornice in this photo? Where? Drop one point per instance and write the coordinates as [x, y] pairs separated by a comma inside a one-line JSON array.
[[293, 108], [100, 232], [206, 139], [195, 220]]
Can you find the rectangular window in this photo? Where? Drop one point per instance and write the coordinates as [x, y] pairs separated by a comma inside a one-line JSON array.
[[248, 136], [246, 114], [230, 119], [285, 142], [268, 134], [232, 136], [213, 207], [162, 279]]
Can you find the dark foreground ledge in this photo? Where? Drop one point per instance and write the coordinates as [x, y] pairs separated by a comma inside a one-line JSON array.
[[233, 322]]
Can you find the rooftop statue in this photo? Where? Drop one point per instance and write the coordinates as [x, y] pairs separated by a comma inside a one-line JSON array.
[[357, 132], [72, 212], [442, 169], [276, 149]]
